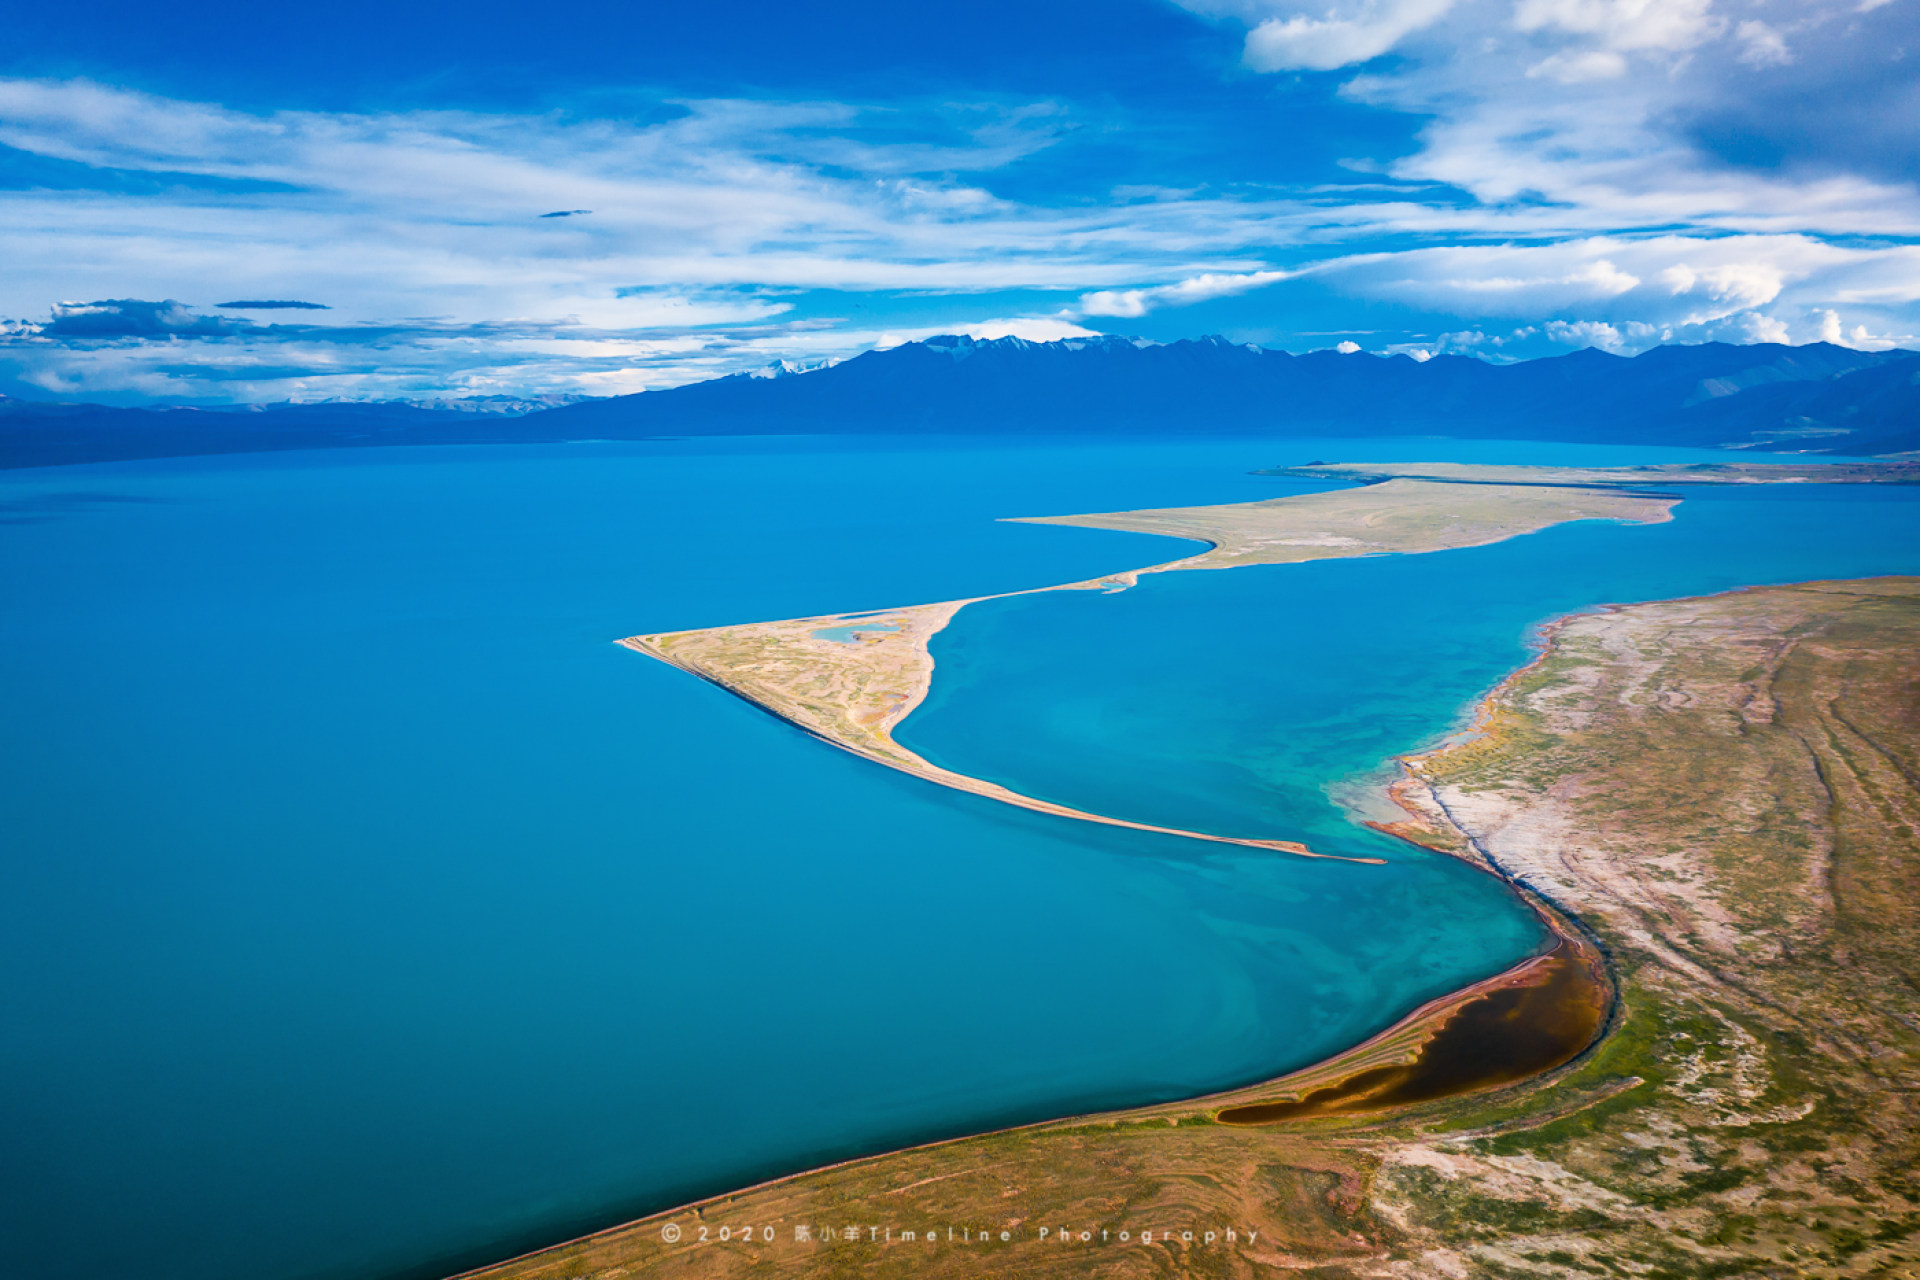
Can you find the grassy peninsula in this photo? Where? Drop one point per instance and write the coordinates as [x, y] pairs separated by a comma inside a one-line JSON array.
[[1721, 796]]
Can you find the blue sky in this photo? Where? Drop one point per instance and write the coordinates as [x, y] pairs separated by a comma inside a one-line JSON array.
[[746, 183]]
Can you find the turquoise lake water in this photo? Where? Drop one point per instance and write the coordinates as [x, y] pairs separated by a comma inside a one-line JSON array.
[[366, 912], [1227, 702]]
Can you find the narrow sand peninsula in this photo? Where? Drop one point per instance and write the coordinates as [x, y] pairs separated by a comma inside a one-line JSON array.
[[854, 691], [1725, 791]]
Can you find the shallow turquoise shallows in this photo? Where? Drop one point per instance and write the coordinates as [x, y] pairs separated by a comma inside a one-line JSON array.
[[364, 910], [1239, 702]]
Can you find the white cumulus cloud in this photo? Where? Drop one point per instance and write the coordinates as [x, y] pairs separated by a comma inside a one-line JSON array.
[[1666, 25], [1762, 46], [1126, 303], [1339, 36], [1580, 66]]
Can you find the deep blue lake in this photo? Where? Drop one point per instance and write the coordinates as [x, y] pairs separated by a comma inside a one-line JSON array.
[[365, 911]]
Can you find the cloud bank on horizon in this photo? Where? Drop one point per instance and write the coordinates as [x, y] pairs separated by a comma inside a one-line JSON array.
[[1497, 177]]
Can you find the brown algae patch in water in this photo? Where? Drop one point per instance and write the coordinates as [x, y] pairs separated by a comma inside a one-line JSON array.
[[1528, 1022]]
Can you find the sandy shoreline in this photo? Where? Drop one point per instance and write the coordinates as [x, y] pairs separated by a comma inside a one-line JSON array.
[[909, 763], [1714, 1044], [1400, 1044], [853, 694], [1396, 1046]]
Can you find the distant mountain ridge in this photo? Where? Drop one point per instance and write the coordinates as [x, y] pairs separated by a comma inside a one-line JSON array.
[[1815, 398], [1714, 394]]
